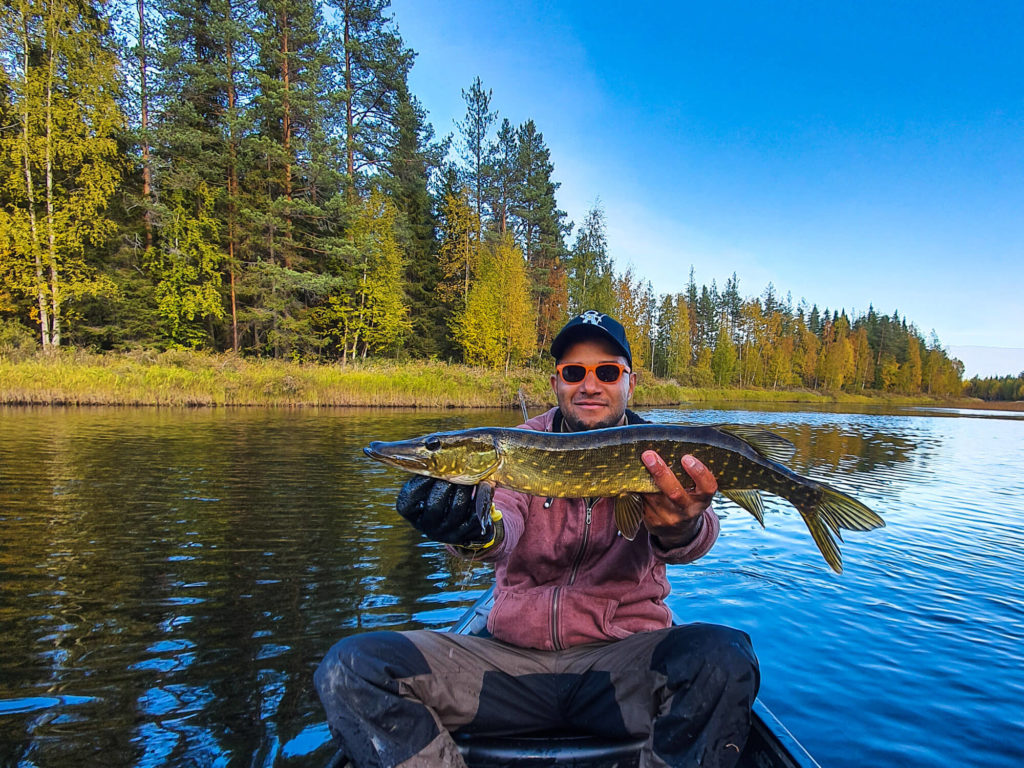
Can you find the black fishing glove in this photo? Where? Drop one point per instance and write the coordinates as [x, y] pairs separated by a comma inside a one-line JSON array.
[[447, 512]]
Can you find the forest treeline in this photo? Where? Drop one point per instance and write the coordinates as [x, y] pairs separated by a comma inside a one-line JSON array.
[[257, 176], [996, 388]]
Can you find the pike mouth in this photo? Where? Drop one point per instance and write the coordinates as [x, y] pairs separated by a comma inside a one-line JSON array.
[[387, 453]]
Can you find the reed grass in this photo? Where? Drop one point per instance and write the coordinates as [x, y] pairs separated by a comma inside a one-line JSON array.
[[178, 378]]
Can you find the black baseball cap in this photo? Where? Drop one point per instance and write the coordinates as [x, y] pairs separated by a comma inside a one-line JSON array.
[[592, 324]]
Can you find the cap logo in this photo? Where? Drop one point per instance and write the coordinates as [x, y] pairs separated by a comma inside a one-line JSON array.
[[592, 317]]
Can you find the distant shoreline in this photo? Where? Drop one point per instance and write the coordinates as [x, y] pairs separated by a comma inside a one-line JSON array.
[[982, 405], [191, 379]]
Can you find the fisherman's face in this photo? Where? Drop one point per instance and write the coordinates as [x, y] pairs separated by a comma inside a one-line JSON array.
[[592, 403]]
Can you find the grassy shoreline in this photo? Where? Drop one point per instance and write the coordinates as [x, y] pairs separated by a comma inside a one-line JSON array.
[[178, 378]]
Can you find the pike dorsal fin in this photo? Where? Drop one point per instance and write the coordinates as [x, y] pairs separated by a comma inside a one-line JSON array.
[[629, 514], [766, 443], [749, 500]]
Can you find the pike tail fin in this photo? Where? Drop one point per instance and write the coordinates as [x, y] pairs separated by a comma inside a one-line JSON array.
[[833, 512]]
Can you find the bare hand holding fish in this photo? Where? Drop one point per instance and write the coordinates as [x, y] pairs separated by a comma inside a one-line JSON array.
[[674, 515]]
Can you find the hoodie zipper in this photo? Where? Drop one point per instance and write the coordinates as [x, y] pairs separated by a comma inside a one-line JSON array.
[[573, 572]]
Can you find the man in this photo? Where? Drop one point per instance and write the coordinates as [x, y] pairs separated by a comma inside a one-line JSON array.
[[582, 638]]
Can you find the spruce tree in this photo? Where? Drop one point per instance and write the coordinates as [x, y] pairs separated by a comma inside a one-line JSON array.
[[412, 162], [542, 230], [589, 267]]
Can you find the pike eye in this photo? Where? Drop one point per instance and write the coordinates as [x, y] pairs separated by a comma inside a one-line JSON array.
[[433, 444]]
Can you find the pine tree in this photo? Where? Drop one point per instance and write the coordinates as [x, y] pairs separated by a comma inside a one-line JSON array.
[[474, 130], [292, 205], [206, 72], [375, 65]]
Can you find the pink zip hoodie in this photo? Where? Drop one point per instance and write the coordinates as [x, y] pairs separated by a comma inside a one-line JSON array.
[[564, 576]]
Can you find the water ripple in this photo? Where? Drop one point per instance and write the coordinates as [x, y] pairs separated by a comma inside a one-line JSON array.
[[170, 579]]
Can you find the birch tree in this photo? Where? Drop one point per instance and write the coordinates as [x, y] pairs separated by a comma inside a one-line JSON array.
[[496, 328], [60, 163]]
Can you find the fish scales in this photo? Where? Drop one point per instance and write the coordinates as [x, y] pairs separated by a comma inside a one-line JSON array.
[[745, 460], [610, 465]]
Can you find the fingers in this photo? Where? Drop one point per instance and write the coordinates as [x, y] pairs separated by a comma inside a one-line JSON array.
[[704, 483], [664, 477]]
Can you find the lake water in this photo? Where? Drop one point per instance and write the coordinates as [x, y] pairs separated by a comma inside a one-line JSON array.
[[169, 580]]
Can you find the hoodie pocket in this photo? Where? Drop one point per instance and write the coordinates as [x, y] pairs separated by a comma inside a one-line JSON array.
[[553, 617], [523, 619], [587, 619]]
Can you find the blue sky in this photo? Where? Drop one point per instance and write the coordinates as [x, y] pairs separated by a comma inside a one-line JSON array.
[[849, 153]]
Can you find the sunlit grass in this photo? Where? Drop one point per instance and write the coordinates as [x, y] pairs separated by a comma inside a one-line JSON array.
[[198, 379]]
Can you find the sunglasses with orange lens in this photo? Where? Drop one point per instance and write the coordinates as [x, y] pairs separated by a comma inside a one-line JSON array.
[[607, 373]]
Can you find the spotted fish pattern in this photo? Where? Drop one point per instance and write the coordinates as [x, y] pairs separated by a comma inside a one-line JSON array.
[[745, 461]]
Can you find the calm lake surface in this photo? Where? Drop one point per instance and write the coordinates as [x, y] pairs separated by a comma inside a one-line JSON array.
[[169, 580]]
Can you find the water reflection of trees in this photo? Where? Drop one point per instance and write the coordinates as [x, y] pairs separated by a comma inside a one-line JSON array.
[[186, 570], [189, 569], [850, 451]]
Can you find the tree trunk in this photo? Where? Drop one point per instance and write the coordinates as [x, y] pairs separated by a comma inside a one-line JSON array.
[[465, 290], [147, 171], [44, 317], [286, 129], [350, 160], [232, 186], [55, 329]]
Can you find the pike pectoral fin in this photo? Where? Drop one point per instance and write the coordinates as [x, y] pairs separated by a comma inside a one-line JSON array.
[[749, 500], [629, 514], [477, 476], [482, 500]]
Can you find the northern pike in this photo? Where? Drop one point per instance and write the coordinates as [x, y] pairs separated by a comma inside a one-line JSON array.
[[745, 460]]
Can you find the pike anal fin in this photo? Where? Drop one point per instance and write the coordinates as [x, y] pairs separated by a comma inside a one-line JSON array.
[[750, 500], [629, 514]]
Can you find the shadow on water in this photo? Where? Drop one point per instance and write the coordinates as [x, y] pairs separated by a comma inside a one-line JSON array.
[[169, 579]]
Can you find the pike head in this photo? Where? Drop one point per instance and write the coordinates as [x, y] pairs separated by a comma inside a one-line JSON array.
[[466, 457]]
